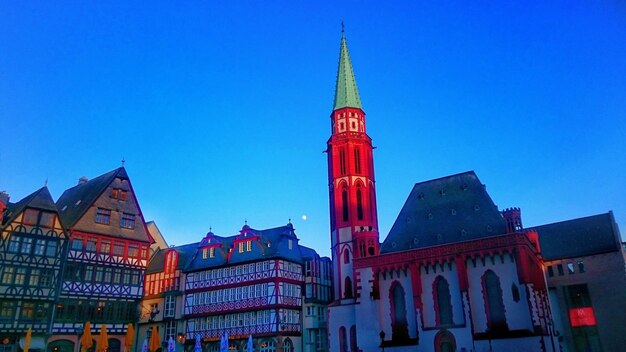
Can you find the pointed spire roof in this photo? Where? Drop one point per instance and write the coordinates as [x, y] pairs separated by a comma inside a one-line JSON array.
[[346, 92]]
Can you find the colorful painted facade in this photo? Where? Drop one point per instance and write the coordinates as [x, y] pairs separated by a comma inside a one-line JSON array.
[[106, 259]]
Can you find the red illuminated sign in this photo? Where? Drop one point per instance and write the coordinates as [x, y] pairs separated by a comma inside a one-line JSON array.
[[582, 317]]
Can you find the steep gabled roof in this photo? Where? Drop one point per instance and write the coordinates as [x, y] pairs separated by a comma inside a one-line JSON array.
[[346, 91], [446, 210], [185, 255], [40, 199], [75, 201], [589, 235]]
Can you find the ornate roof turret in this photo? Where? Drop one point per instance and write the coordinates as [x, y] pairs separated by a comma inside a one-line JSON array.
[[346, 92]]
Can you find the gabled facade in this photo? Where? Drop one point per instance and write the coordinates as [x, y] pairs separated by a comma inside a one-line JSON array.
[[162, 305], [247, 284], [32, 248], [107, 256]]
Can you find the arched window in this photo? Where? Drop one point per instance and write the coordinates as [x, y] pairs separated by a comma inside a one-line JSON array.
[[353, 344], [343, 344], [344, 202], [443, 301], [399, 327], [342, 162], [288, 345], [445, 342], [347, 293], [346, 256], [494, 304], [370, 247], [359, 203]]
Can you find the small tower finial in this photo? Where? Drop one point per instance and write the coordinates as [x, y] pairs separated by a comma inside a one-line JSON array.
[[290, 220], [45, 184], [342, 26], [210, 229], [245, 221], [123, 161]]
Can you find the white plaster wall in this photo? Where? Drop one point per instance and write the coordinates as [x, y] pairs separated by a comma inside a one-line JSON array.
[[385, 303], [338, 316], [517, 313], [428, 299], [367, 313]]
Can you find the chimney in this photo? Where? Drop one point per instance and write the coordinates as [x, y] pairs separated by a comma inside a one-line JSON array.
[[83, 180]]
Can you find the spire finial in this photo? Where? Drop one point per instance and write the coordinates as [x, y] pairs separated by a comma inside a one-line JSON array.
[[45, 184], [245, 221], [290, 220], [123, 161], [342, 27], [210, 229]]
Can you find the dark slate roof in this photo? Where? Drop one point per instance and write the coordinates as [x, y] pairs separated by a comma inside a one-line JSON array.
[[40, 199], [185, 255], [273, 236], [579, 237], [446, 210], [75, 201]]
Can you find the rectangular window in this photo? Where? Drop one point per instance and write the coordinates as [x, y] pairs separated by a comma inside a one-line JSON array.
[[27, 245], [88, 273], [115, 193], [107, 274], [28, 310], [14, 244], [559, 268], [170, 329], [7, 309], [123, 195], [205, 253], [103, 216], [126, 277], [134, 278], [128, 221], [77, 243], [99, 274], [133, 250], [20, 276], [47, 219], [570, 268], [550, 271], [240, 247], [117, 276], [290, 244], [91, 245], [212, 252], [170, 306], [105, 247], [51, 248], [34, 277], [40, 247], [118, 248], [30, 216], [581, 267]]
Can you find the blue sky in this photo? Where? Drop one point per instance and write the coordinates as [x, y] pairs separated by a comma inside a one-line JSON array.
[[221, 109]]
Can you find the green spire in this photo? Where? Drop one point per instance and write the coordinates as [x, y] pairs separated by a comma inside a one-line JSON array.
[[346, 92]]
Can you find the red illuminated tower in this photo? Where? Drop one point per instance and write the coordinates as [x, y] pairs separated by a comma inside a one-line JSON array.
[[353, 218]]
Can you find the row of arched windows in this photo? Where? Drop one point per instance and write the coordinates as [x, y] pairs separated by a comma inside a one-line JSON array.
[[343, 340], [492, 296], [345, 204]]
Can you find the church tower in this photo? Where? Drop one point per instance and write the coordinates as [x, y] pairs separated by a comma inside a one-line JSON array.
[[353, 218]]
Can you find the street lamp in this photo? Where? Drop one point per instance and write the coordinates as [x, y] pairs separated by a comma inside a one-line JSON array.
[[382, 340]]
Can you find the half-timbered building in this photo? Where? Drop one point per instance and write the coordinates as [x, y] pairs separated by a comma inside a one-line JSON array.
[[32, 248], [162, 306], [107, 256], [247, 284]]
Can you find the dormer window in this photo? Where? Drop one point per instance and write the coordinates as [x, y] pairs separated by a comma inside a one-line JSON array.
[[290, 244], [240, 247], [30, 216], [249, 246]]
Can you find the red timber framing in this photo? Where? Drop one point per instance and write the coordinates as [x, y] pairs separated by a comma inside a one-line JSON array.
[[259, 298], [133, 253]]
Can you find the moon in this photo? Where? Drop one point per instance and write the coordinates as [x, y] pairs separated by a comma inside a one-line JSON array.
[[304, 217]]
